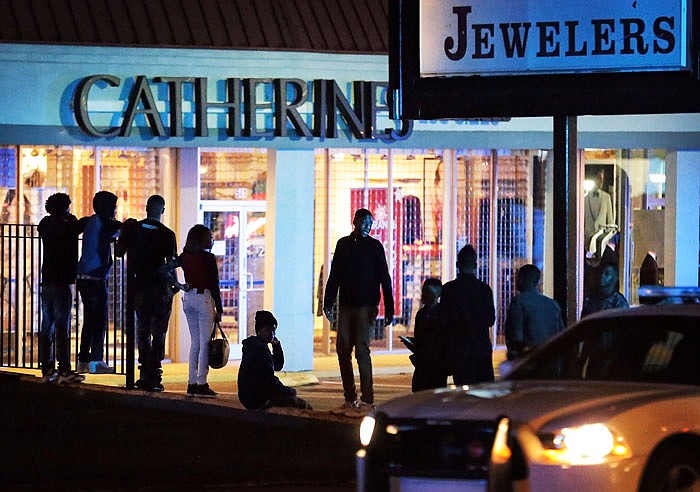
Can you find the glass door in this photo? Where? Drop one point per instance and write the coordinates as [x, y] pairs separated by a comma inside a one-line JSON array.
[[239, 246]]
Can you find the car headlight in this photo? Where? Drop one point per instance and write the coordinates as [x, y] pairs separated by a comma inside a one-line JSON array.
[[585, 444], [367, 429]]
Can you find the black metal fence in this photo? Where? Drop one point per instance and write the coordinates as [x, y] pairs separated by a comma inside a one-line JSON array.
[[20, 311]]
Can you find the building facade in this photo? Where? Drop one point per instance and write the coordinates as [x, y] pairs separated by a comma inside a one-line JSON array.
[[275, 149]]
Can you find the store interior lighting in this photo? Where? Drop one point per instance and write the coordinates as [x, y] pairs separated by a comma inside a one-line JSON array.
[[657, 178]]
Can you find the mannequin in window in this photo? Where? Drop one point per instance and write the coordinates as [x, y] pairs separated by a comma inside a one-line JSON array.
[[598, 210]]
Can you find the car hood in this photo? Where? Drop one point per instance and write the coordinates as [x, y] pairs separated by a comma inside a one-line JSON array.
[[534, 402]]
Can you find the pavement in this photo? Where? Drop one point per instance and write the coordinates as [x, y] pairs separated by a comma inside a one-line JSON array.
[[324, 368]]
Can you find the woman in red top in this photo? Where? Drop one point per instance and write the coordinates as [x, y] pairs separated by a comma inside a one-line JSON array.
[[202, 305]]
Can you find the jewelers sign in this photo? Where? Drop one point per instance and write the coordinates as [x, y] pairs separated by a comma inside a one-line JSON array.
[[521, 37]]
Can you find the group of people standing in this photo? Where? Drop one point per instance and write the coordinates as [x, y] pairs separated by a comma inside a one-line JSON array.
[[61, 268], [452, 335], [151, 251], [452, 328]]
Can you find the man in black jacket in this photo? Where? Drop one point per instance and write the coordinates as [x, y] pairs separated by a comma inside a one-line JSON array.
[[59, 235], [150, 245], [358, 269], [467, 305]]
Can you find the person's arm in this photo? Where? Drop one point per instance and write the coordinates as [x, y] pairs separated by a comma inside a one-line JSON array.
[[277, 354], [123, 241], [515, 326], [385, 279], [173, 245], [489, 308], [213, 282], [560, 318], [263, 371], [333, 281], [82, 222]]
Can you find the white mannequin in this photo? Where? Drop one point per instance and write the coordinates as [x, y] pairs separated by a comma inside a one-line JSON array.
[[598, 209]]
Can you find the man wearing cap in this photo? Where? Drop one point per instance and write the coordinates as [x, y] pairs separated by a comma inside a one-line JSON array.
[[467, 304], [358, 270]]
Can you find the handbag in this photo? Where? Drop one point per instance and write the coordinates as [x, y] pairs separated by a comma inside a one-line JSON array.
[[218, 348]]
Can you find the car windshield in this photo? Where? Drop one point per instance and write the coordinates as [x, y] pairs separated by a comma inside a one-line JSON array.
[[639, 349]]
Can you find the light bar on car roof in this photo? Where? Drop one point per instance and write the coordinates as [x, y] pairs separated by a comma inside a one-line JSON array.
[[650, 294]]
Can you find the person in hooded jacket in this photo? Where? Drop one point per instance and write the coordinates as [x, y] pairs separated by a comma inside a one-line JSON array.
[[258, 387], [99, 230]]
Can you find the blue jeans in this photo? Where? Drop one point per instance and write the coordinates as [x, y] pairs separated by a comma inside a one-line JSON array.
[[199, 311], [93, 293], [56, 300]]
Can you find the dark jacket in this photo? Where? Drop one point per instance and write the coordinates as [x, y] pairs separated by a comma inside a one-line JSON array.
[[359, 269], [150, 245], [429, 339], [469, 313], [59, 237], [594, 303], [257, 382], [532, 319], [430, 357], [96, 256]]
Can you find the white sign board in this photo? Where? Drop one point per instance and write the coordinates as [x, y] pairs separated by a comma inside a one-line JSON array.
[[521, 37]]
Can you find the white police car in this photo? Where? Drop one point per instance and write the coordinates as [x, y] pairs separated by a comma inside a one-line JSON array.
[[611, 404]]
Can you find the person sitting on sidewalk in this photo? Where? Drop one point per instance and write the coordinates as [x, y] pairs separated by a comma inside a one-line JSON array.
[[258, 387]]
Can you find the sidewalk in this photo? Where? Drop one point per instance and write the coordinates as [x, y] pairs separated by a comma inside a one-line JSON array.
[[325, 367]]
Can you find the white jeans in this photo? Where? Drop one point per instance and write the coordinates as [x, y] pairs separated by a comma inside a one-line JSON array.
[[200, 312]]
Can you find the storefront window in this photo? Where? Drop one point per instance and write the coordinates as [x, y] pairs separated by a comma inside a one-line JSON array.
[[8, 184], [409, 224], [634, 182], [516, 225], [238, 175], [133, 174]]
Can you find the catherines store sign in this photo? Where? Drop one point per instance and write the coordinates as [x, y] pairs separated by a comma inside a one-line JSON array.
[[520, 37], [258, 107]]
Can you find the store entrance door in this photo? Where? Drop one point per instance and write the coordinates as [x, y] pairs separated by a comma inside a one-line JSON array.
[[239, 246]]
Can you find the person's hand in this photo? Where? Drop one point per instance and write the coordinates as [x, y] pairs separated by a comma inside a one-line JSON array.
[[217, 317], [328, 313], [275, 341], [388, 318]]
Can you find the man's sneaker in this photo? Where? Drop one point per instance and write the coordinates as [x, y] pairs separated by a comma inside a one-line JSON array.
[[83, 367], [70, 377], [191, 389], [345, 408], [100, 367], [50, 376], [204, 391], [365, 408], [155, 388]]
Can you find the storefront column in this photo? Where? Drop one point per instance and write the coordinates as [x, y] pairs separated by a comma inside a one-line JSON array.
[[289, 249], [682, 222], [188, 216], [567, 250]]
